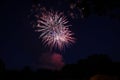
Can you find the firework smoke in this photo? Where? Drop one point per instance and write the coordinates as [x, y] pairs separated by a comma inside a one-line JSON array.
[[51, 61]]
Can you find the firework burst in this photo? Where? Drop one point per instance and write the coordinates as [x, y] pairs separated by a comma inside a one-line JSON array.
[[54, 29]]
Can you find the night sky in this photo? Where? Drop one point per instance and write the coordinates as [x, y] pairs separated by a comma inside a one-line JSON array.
[[20, 46]]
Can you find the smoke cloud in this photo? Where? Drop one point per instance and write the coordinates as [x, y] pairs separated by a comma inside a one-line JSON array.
[[53, 61]]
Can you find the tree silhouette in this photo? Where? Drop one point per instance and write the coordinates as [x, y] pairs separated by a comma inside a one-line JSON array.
[[27, 69], [2, 66], [99, 63]]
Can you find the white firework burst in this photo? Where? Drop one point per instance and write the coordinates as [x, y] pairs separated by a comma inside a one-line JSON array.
[[54, 29]]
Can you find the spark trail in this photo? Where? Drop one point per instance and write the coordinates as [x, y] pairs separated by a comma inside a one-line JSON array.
[[54, 29]]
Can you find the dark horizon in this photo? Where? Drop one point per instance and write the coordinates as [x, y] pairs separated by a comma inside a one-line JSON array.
[[93, 68]]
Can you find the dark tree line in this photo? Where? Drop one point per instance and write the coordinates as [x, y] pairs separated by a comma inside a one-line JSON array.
[[95, 66]]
